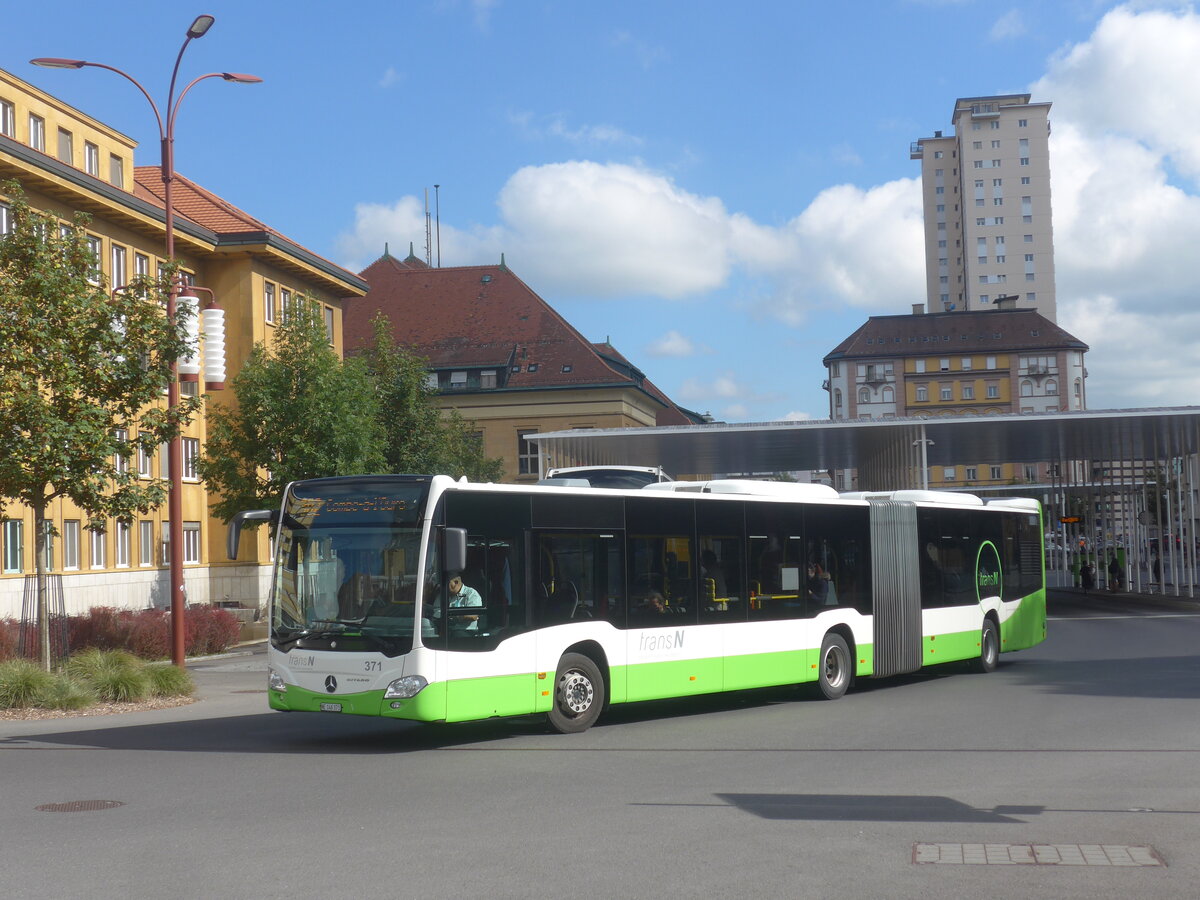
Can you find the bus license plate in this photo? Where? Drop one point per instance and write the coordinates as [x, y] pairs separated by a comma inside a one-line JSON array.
[[331, 707]]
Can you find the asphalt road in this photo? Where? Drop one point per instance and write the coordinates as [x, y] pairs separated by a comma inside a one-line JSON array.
[[1093, 738]]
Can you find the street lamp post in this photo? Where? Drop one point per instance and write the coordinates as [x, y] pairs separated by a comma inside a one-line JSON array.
[[166, 133]]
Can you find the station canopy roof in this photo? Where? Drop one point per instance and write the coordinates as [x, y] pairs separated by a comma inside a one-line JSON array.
[[1130, 434]]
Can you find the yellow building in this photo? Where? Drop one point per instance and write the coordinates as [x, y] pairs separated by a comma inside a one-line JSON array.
[[977, 363], [66, 162]]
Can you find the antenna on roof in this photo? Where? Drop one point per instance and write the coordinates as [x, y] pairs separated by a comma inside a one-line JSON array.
[[437, 208], [385, 249], [428, 233]]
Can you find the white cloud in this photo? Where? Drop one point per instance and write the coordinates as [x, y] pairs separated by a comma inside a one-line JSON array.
[[390, 78], [675, 344], [556, 127], [1010, 25], [584, 228], [1124, 234]]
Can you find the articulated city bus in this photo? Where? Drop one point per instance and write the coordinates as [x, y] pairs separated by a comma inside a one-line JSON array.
[[425, 598]]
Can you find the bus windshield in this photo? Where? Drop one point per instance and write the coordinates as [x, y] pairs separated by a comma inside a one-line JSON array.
[[346, 572]]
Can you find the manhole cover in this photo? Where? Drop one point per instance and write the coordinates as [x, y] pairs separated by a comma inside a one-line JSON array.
[[1036, 855], [79, 806]]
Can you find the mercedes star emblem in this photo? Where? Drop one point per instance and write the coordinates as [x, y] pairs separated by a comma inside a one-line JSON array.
[[331, 684]]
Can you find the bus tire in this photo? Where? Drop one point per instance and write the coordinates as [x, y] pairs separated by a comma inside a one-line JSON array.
[[578, 694], [835, 669], [989, 647]]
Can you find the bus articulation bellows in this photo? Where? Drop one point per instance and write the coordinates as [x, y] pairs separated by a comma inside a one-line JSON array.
[[425, 598]]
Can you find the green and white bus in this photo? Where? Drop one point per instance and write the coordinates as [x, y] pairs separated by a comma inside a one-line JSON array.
[[580, 597]]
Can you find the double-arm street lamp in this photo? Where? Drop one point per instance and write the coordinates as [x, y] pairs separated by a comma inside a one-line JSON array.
[[166, 132]]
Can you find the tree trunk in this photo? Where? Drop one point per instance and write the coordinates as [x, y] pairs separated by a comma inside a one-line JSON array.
[[39, 567]]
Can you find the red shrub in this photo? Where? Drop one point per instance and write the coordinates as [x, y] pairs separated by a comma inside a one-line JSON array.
[[8, 639], [147, 633], [209, 630]]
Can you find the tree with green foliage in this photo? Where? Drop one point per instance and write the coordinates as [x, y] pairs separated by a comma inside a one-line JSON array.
[[419, 437], [81, 369], [300, 412]]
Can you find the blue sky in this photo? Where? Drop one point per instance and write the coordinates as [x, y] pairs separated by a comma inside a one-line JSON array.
[[722, 190]]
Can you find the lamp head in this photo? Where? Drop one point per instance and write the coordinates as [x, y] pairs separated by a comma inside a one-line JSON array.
[[200, 26], [54, 62], [241, 78]]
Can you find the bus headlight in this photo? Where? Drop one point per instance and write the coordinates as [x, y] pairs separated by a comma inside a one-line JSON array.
[[403, 688], [275, 681]]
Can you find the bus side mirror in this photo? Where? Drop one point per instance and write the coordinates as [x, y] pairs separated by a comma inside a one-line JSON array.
[[235, 526], [455, 541]]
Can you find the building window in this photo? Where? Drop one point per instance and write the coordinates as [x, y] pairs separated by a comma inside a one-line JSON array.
[[1031, 473], [91, 159], [1022, 123], [991, 362], [8, 126], [99, 549], [971, 473], [527, 452], [1026, 389], [864, 396], [458, 380], [94, 247], [944, 364], [948, 473], [285, 303], [968, 392], [5, 219], [70, 544], [996, 473], [191, 451], [145, 543], [1052, 388], [141, 265], [837, 398], [966, 364], [120, 461], [993, 391], [329, 324], [191, 542], [116, 170], [37, 132], [269, 302], [66, 146], [947, 392], [117, 275], [487, 378], [145, 462], [919, 365], [121, 545], [922, 393]]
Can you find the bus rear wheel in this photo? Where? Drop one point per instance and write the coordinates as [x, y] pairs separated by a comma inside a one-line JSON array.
[[989, 647], [835, 670], [578, 694]]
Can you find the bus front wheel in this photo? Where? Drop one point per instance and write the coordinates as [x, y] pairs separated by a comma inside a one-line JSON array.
[[578, 694], [835, 669], [989, 647]]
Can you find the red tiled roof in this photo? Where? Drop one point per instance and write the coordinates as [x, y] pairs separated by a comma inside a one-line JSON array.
[[472, 316], [977, 331], [204, 208]]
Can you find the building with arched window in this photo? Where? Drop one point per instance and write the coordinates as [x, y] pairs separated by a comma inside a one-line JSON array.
[[992, 362]]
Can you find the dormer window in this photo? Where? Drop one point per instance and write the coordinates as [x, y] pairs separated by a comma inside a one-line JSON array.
[[458, 379], [532, 367], [487, 378], [567, 368]]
